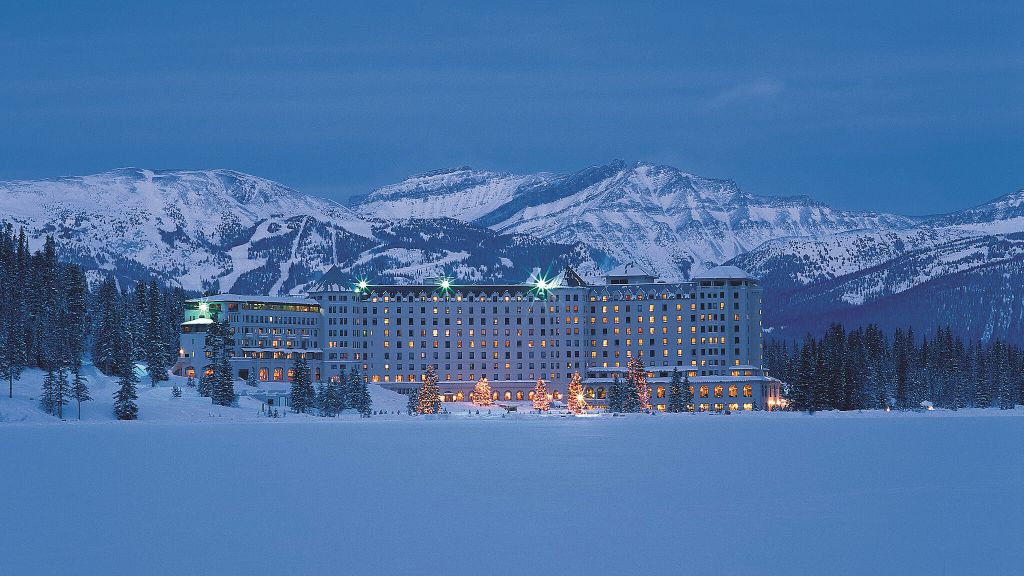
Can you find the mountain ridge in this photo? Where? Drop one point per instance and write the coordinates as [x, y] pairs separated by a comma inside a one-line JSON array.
[[228, 230]]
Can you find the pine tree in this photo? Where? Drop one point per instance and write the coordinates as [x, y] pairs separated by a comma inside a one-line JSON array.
[[675, 393], [80, 391], [153, 345], [615, 394], [61, 391], [175, 391], [252, 379], [191, 381], [303, 395], [413, 405], [803, 390], [339, 393], [1006, 385], [125, 397], [575, 399], [106, 339], [901, 368], [223, 392], [46, 398], [323, 402], [541, 401], [481, 394], [13, 354], [213, 347], [359, 394], [636, 392], [982, 396], [430, 394], [74, 324]]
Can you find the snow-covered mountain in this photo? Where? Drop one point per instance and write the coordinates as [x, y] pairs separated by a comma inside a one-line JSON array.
[[219, 229], [964, 269], [673, 223]]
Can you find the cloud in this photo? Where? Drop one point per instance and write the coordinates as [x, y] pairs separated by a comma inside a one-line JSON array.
[[746, 92]]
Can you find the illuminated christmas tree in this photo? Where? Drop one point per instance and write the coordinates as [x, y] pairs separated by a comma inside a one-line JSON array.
[[574, 397], [636, 384], [481, 395], [540, 397], [430, 394]]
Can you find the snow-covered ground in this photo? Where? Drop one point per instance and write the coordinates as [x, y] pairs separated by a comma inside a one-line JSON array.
[[197, 489]]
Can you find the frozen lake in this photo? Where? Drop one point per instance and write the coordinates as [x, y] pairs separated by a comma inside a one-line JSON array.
[[748, 494]]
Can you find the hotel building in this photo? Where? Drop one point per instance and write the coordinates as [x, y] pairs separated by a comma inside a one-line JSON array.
[[269, 332], [708, 328]]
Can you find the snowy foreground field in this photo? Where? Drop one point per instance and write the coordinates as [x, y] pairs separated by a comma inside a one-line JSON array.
[[921, 493]]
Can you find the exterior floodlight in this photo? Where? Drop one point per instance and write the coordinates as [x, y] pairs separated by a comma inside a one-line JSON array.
[[444, 285], [204, 308]]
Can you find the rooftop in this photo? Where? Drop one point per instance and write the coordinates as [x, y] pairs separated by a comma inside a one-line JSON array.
[[251, 298], [728, 272], [629, 269]]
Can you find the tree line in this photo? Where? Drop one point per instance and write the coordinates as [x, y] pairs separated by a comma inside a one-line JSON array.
[[865, 368], [50, 319]]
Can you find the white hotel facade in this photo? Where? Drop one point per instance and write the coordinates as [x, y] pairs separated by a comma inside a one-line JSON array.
[[708, 328]]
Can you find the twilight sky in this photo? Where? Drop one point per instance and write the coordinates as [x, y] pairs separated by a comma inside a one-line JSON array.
[[912, 107]]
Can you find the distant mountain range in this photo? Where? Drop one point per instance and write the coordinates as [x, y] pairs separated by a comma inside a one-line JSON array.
[[224, 230]]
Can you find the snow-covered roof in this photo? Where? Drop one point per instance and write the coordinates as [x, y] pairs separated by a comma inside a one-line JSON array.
[[252, 298], [197, 321], [628, 269], [729, 272]]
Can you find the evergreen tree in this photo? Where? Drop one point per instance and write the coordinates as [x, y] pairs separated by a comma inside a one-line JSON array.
[[803, 390], [191, 381], [47, 398], [125, 397], [982, 396], [675, 393], [61, 392], [213, 347], [339, 393], [574, 397], [252, 378], [615, 394], [153, 345], [413, 405], [74, 325], [323, 403], [430, 394], [541, 401], [1006, 386], [223, 392], [106, 340], [303, 395], [359, 394], [175, 391], [636, 392], [80, 391], [687, 393], [12, 355], [481, 394]]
